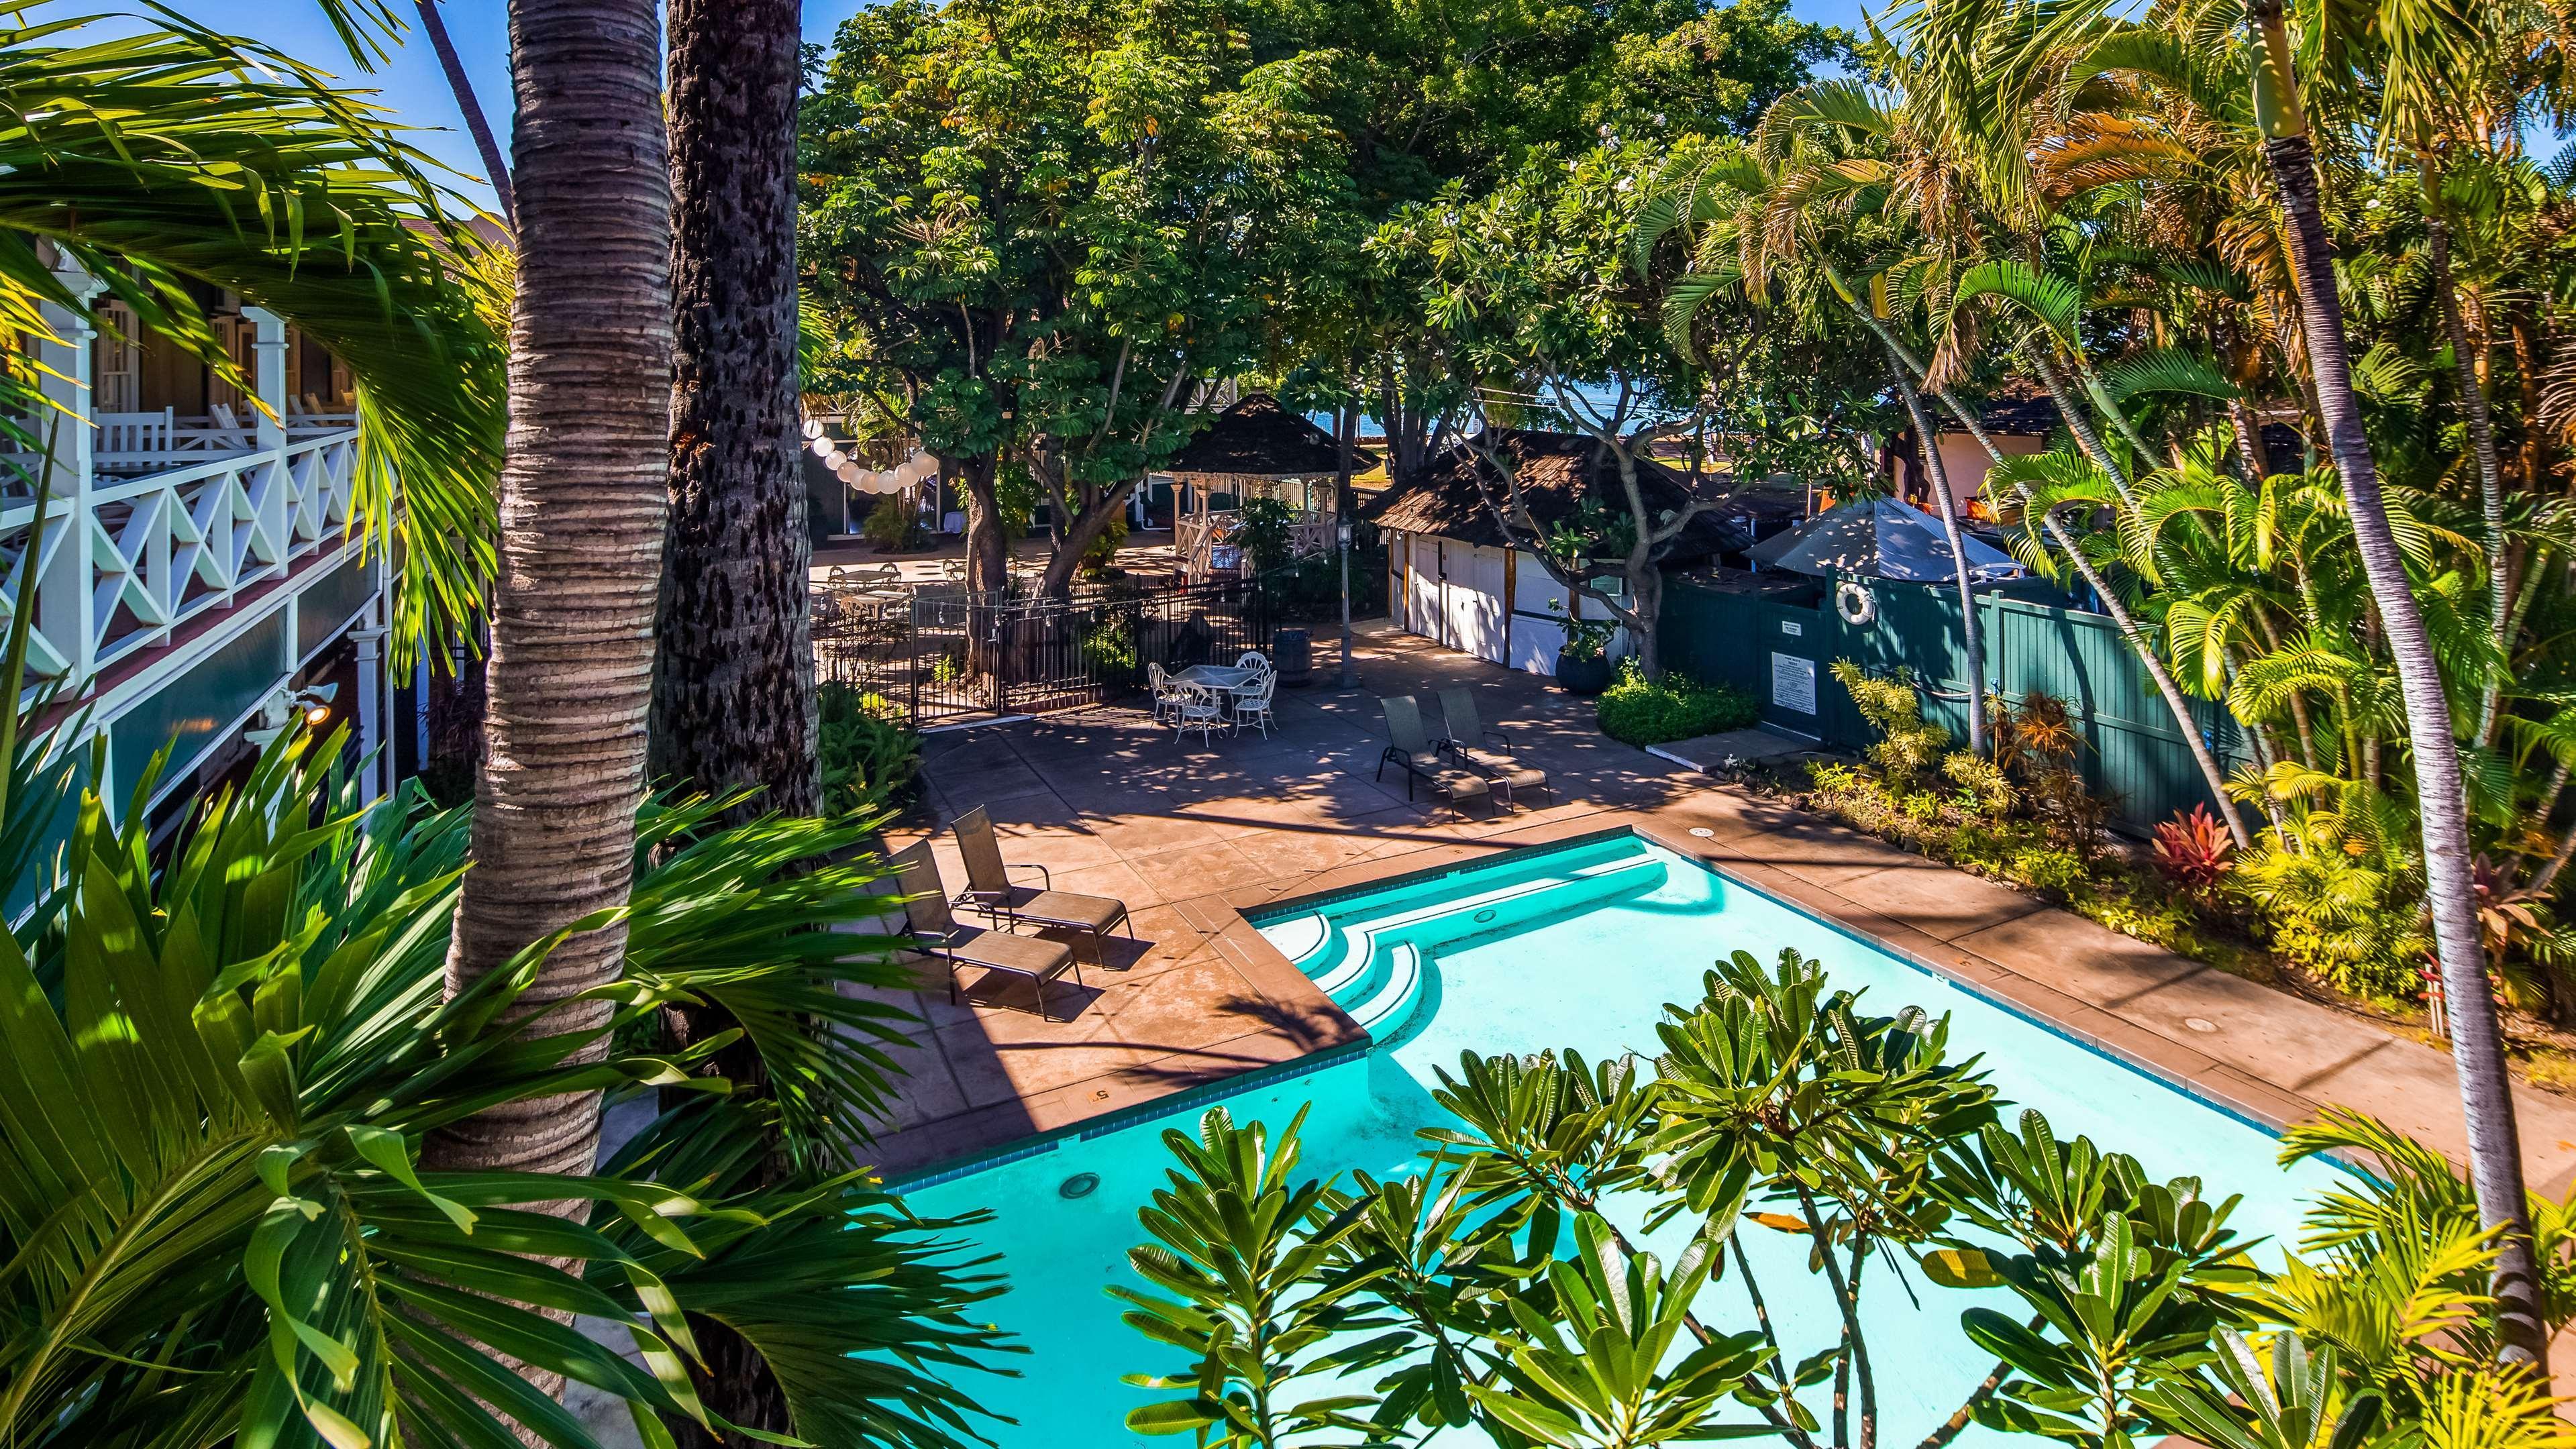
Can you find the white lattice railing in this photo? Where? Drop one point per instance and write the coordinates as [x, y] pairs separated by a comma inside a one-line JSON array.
[[126, 560], [1195, 538]]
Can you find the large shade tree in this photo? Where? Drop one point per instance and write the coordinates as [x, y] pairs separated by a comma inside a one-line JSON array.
[[1056, 225]]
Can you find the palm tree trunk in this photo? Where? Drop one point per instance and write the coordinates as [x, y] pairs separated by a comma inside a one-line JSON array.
[[581, 531], [2249, 440], [2076, 423], [581, 509], [2482, 444], [434, 25], [733, 689], [1968, 624], [2486, 1091], [733, 685]]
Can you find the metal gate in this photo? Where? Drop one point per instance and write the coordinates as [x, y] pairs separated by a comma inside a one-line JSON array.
[[942, 655]]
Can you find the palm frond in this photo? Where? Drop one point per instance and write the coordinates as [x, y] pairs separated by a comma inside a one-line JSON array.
[[2166, 370], [172, 156]]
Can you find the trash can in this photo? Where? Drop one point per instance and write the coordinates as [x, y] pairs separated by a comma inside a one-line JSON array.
[[1292, 652]]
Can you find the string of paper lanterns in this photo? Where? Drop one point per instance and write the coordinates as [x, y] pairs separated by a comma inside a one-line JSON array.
[[912, 471]]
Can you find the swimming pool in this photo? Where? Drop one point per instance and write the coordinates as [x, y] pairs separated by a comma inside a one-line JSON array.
[[1576, 946]]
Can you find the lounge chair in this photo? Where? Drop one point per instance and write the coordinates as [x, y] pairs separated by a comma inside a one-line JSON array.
[[937, 933], [1410, 747], [989, 890], [1466, 744]]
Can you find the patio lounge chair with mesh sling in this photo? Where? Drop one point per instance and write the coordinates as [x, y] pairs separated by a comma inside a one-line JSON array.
[[937, 933], [1465, 744], [990, 891], [1409, 747]]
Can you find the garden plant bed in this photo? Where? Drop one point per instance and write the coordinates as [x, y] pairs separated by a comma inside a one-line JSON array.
[[2122, 892]]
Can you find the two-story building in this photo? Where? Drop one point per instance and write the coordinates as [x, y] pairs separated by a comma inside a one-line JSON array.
[[197, 579]]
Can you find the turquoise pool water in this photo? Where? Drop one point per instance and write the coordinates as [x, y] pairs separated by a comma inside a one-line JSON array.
[[1570, 947]]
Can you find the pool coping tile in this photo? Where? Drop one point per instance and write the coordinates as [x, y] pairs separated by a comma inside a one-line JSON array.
[[2059, 971]]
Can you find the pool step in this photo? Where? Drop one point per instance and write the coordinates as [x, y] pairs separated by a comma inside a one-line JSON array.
[[1379, 973]]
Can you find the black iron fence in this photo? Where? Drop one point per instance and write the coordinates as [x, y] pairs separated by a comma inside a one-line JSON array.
[[941, 655]]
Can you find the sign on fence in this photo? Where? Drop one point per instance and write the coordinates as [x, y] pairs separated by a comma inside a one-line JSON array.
[[1793, 683]]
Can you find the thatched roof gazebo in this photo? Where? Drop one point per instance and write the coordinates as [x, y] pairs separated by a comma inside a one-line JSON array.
[[1256, 449]]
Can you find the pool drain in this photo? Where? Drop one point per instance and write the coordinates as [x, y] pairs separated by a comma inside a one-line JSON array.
[[1483, 916], [1081, 1184]]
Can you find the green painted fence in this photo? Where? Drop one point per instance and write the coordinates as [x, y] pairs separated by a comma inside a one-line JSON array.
[[1778, 650]]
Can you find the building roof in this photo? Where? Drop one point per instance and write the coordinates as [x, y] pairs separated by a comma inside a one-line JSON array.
[[2019, 408], [1257, 438], [1557, 471]]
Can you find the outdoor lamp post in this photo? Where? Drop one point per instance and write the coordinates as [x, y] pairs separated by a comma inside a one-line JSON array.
[[1342, 537]]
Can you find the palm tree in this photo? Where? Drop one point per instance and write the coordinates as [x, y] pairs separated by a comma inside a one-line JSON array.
[[733, 687], [733, 682], [220, 1226], [434, 25], [582, 507], [2486, 1093]]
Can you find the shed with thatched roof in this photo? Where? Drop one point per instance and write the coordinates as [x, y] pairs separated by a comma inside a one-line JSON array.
[[1455, 574]]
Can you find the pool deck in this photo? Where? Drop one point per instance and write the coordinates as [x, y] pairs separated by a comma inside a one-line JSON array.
[[1192, 836]]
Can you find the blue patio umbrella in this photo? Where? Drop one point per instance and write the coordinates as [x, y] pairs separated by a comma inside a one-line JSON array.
[[1881, 538]]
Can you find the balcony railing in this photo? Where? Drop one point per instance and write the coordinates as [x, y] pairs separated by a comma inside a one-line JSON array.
[[151, 527]]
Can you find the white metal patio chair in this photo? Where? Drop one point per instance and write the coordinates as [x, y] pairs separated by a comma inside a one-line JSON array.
[[1195, 707], [1254, 708]]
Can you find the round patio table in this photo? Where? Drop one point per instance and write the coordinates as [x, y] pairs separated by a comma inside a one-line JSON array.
[[1225, 679]]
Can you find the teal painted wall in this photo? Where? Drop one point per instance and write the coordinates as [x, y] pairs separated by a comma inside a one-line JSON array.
[[186, 713], [2133, 753], [330, 602]]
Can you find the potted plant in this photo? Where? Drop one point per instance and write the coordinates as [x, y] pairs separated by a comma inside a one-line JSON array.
[[1583, 662]]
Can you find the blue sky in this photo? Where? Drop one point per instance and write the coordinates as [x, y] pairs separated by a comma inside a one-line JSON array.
[[412, 86]]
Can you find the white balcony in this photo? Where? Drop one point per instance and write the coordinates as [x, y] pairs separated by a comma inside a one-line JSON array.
[[186, 565]]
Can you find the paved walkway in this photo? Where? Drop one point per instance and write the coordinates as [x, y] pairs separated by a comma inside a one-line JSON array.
[[1190, 836]]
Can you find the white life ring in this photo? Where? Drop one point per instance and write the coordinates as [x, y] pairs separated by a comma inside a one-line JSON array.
[[1854, 602]]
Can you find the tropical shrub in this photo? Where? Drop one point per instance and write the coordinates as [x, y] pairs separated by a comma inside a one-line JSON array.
[[2338, 882], [2023, 816], [1494, 1290], [1585, 639], [894, 527], [1908, 744], [217, 1078], [2192, 850], [1264, 533], [2339, 916], [868, 756], [1640, 711], [1104, 550]]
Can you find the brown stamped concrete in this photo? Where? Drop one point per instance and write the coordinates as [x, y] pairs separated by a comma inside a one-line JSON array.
[[1190, 836]]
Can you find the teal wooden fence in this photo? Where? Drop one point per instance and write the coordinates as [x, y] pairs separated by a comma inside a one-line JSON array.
[[1779, 651]]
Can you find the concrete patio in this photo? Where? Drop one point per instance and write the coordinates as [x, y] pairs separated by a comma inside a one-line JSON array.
[[1191, 836]]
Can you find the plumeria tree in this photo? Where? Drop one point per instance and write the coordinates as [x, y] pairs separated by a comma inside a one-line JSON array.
[[1494, 1287]]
